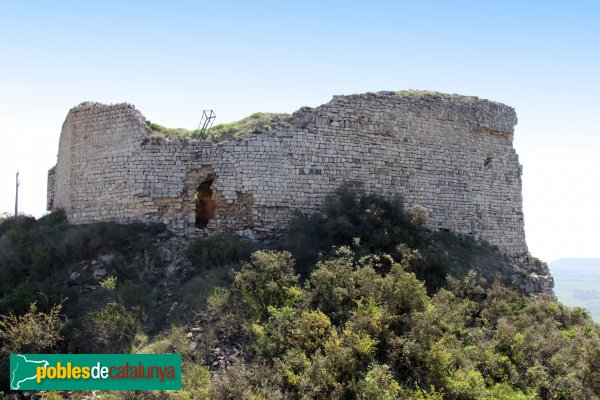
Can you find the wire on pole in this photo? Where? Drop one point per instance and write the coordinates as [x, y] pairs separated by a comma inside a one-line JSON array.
[[17, 195]]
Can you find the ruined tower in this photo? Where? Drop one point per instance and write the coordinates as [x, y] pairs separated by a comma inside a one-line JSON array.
[[452, 154]]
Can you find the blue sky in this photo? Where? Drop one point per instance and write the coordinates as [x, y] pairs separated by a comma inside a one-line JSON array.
[[173, 59]]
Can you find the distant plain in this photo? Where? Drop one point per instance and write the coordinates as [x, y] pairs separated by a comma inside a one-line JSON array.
[[577, 283]]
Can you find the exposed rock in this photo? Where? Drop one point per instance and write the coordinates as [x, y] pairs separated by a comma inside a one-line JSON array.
[[538, 284], [106, 258], [74, 275], [247, 233], [100, 273]]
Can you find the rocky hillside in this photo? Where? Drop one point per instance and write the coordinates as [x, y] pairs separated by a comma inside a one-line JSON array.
[[358, 302]]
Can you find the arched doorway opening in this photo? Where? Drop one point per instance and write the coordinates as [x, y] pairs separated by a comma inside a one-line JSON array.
[[205, 205]]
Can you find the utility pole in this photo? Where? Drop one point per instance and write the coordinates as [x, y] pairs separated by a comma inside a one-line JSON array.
[[17, 196]]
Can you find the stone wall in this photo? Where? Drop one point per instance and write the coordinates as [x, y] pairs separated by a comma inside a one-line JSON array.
[[452, 154]]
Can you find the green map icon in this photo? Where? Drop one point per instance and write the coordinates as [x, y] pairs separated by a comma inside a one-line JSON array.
[[23, 369], [102, 371]]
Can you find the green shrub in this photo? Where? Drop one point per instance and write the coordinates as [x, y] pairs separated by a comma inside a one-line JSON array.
[[378, 384], [109, 283], [360, 325], [112, 329], [379, 223], [267, 280], [195, 383], [21, 222], [333, 288], [44, 292], [32, 332], [376, 225], [173, 340], [134, 293], [219, 250], [31, 249], [466, 384]]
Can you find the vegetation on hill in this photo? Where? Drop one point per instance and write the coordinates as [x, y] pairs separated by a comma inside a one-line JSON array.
[[109, 281], [359, 302], [368, 329], [374, 225], [262, 122], [427, 93], [255, 123]]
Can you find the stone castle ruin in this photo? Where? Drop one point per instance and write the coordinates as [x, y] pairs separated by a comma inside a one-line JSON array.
[[452, 154]]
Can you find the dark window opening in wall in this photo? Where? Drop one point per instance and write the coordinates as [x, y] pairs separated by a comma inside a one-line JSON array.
[[205, 205]]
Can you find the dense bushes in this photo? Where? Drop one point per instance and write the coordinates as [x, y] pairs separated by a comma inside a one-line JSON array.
[[219, 250], [37, 258], [374, 225], [376, 308], [354, 330], [112, 328], [34, 255], [379, 224], [32, 332], [359, 322]]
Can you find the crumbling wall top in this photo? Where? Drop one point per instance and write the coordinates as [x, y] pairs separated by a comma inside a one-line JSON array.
[[484, 115]]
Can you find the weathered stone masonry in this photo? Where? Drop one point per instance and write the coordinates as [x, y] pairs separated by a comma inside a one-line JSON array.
[[451, 154]]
